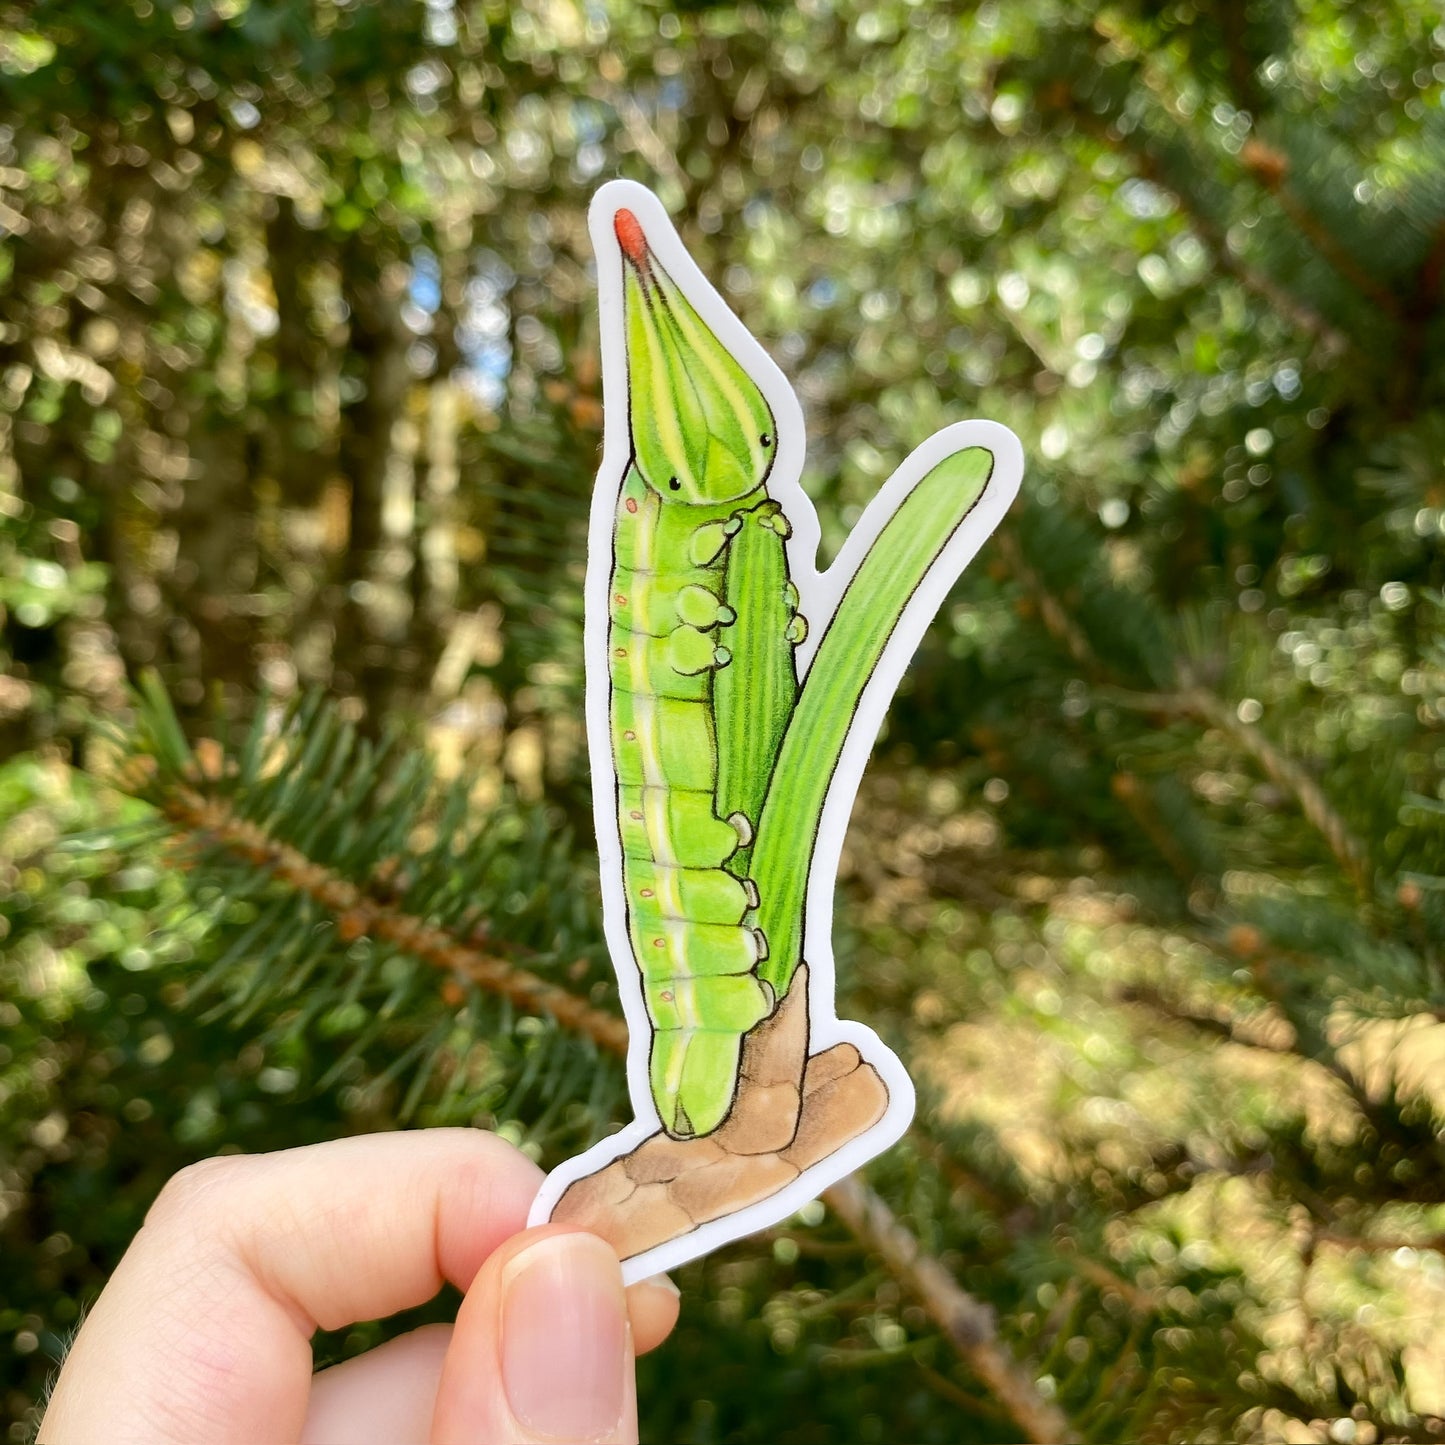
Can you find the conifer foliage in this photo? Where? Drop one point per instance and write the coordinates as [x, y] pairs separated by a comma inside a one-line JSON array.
[[299, 413]]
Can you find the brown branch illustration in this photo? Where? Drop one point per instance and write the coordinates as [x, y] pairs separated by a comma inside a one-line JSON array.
[[792, 1110]]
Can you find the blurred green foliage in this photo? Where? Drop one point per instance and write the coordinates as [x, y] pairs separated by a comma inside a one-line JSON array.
[[299, 389]]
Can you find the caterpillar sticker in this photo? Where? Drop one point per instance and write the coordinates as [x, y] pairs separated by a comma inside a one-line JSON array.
[[733, 694]]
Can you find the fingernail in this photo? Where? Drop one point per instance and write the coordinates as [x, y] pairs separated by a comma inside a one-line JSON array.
[[659, 1282], [564, 1338]]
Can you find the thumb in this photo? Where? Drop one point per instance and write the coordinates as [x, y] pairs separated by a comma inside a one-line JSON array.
[[542, 1349]]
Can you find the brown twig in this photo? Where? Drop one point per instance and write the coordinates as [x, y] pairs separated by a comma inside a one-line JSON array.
[[1294, 310], [358, 914], [1278, 766], [1421, 311], [1231, 17], [968, 1323], [1060, 626], [1285, 773], [1141, 1301], [1197, 702], [974, 1404], [1139, 804], [1434, 1243], [1274, 1035]]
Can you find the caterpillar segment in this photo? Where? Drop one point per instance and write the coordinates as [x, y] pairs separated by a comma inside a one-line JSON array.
[[702, 621]]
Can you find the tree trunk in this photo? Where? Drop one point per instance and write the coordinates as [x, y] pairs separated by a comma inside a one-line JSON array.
[[374, 619]]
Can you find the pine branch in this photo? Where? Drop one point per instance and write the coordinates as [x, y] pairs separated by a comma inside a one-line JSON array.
[[1276, 1037], [1056, 619], [1270, 167], [1367, 1244], [1144, 1302], [1132, 142], [359, 915], [1430, 282], [1287, 774], [1204, 706], [968, 1324], [1281, 769], [1421, 311], [183, 783], [1138, 803], [1297, 312], [973, 1404], [1231, 17], [1289, 987], [1279, 1035]]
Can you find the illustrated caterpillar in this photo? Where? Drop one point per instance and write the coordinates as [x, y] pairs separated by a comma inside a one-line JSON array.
[[702, 624], [727, 736]]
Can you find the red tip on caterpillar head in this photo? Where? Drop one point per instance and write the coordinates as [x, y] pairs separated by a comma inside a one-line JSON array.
[[630, 237]]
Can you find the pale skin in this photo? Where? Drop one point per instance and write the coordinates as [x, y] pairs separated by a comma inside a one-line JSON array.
[[203, 1334]]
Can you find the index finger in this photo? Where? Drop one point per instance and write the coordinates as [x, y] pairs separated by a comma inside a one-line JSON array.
[[203, 1332]]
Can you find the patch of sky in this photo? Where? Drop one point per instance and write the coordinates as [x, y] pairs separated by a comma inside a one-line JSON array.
[[483, 331], [822, 293], [425, 291], [1145, 200], [441, 22]]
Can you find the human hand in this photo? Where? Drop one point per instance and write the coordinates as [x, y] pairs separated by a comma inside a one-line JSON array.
[[203, 1333]]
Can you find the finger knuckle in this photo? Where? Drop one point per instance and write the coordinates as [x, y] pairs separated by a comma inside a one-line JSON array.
[[197, 1189]]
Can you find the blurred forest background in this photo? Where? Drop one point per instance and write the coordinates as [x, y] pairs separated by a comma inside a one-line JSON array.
[[299, 414]]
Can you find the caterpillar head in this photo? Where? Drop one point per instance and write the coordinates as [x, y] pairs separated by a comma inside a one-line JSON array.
[[701, 430]]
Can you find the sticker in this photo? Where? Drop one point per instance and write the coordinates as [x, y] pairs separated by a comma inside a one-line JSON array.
[[734, 692]]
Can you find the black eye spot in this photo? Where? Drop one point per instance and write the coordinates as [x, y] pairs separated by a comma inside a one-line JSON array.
[[766, 439], [675, 485]]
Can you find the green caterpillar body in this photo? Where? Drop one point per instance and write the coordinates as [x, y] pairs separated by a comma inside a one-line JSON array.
[[683, 648]]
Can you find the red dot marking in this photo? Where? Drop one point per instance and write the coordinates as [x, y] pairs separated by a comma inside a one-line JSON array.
[[659, 943], [632, 504], [619, 599], [630, 236]]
